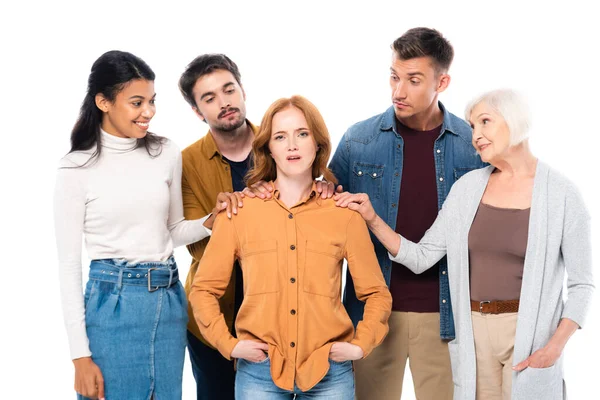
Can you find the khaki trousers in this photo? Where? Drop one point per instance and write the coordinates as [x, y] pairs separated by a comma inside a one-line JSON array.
[[412, 336], [494, 345]]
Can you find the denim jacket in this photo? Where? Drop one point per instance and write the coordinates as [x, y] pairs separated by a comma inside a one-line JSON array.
[[369, 159]]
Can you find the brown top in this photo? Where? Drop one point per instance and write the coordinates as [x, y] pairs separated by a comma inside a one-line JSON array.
[[205, 174], [291, 261], [417, 210], [497, 246]]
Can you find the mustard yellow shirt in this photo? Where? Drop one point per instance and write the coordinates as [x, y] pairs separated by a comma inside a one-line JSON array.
[[291, 260], [205, 175]]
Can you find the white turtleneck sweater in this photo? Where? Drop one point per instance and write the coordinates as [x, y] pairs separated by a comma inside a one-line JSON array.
[[127, 205]]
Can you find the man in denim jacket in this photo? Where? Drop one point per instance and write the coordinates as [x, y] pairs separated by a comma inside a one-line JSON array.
[[406, 160]]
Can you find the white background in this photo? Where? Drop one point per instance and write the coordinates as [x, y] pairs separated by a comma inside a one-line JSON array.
[[337, 56]]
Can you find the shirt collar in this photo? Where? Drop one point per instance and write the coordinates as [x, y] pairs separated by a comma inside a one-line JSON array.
[[313, 195], [115, 144]]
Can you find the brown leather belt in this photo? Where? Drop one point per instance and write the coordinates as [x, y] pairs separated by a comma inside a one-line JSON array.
[[495, 307]]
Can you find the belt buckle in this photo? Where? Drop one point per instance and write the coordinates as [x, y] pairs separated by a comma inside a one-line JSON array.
[[481, 303], [150, 288]]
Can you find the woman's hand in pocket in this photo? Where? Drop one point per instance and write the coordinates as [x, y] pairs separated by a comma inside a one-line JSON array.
[[344, 351], [543, 358], [250, 350]]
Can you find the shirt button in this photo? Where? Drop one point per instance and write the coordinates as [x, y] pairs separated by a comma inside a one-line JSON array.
[[399, 146], [441, 179], [374, 174], [290, 216], [293, 280], [293, 312], [444, 301], [393, 205], [443, 272], [359, 173], [439, 151], [292, 344], [396, 174], [292, 247]]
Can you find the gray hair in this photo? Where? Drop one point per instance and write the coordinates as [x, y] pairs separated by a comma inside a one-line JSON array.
[[511, 106]]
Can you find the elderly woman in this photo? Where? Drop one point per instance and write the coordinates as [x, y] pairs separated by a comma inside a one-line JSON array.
[[511, 231]]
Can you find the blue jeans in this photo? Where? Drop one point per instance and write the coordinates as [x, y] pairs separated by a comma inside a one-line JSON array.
[[253, 382], [213, 373], [136, 317]]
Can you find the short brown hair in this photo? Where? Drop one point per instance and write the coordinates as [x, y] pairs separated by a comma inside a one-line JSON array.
[[425, 42], [264, 168], [204, 65]]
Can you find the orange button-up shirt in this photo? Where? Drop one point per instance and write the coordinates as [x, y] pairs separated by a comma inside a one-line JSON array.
[[291, 260]]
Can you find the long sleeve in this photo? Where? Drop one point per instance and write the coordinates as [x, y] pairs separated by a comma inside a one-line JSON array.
[[210, 283], [182, 231], [69, 214], [369, 285], [576, 249], [419, 257]]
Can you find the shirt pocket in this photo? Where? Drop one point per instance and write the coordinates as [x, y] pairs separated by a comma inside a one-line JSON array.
[[322, 269], [367, 178], [259, 267]]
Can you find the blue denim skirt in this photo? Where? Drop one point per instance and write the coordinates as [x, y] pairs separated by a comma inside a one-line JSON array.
[[136, 317]]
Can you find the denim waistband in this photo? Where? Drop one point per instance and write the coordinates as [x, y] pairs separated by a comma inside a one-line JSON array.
[[154, 275]]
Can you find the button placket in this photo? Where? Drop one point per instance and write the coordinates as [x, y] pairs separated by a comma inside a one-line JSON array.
[[292, 274]]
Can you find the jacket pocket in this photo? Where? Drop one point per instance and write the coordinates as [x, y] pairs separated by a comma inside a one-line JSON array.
[[259, 267], [368, 178], [322, 269], [539, 383]]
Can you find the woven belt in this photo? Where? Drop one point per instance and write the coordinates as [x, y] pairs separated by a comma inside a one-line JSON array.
[[495, 307]]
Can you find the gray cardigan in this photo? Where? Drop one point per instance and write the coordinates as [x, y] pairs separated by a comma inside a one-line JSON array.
[[558, 240]]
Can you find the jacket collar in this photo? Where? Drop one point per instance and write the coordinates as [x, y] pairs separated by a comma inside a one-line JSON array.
[[449, 124]]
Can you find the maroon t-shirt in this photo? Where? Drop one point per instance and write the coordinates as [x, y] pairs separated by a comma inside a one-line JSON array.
[[417, 209]]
